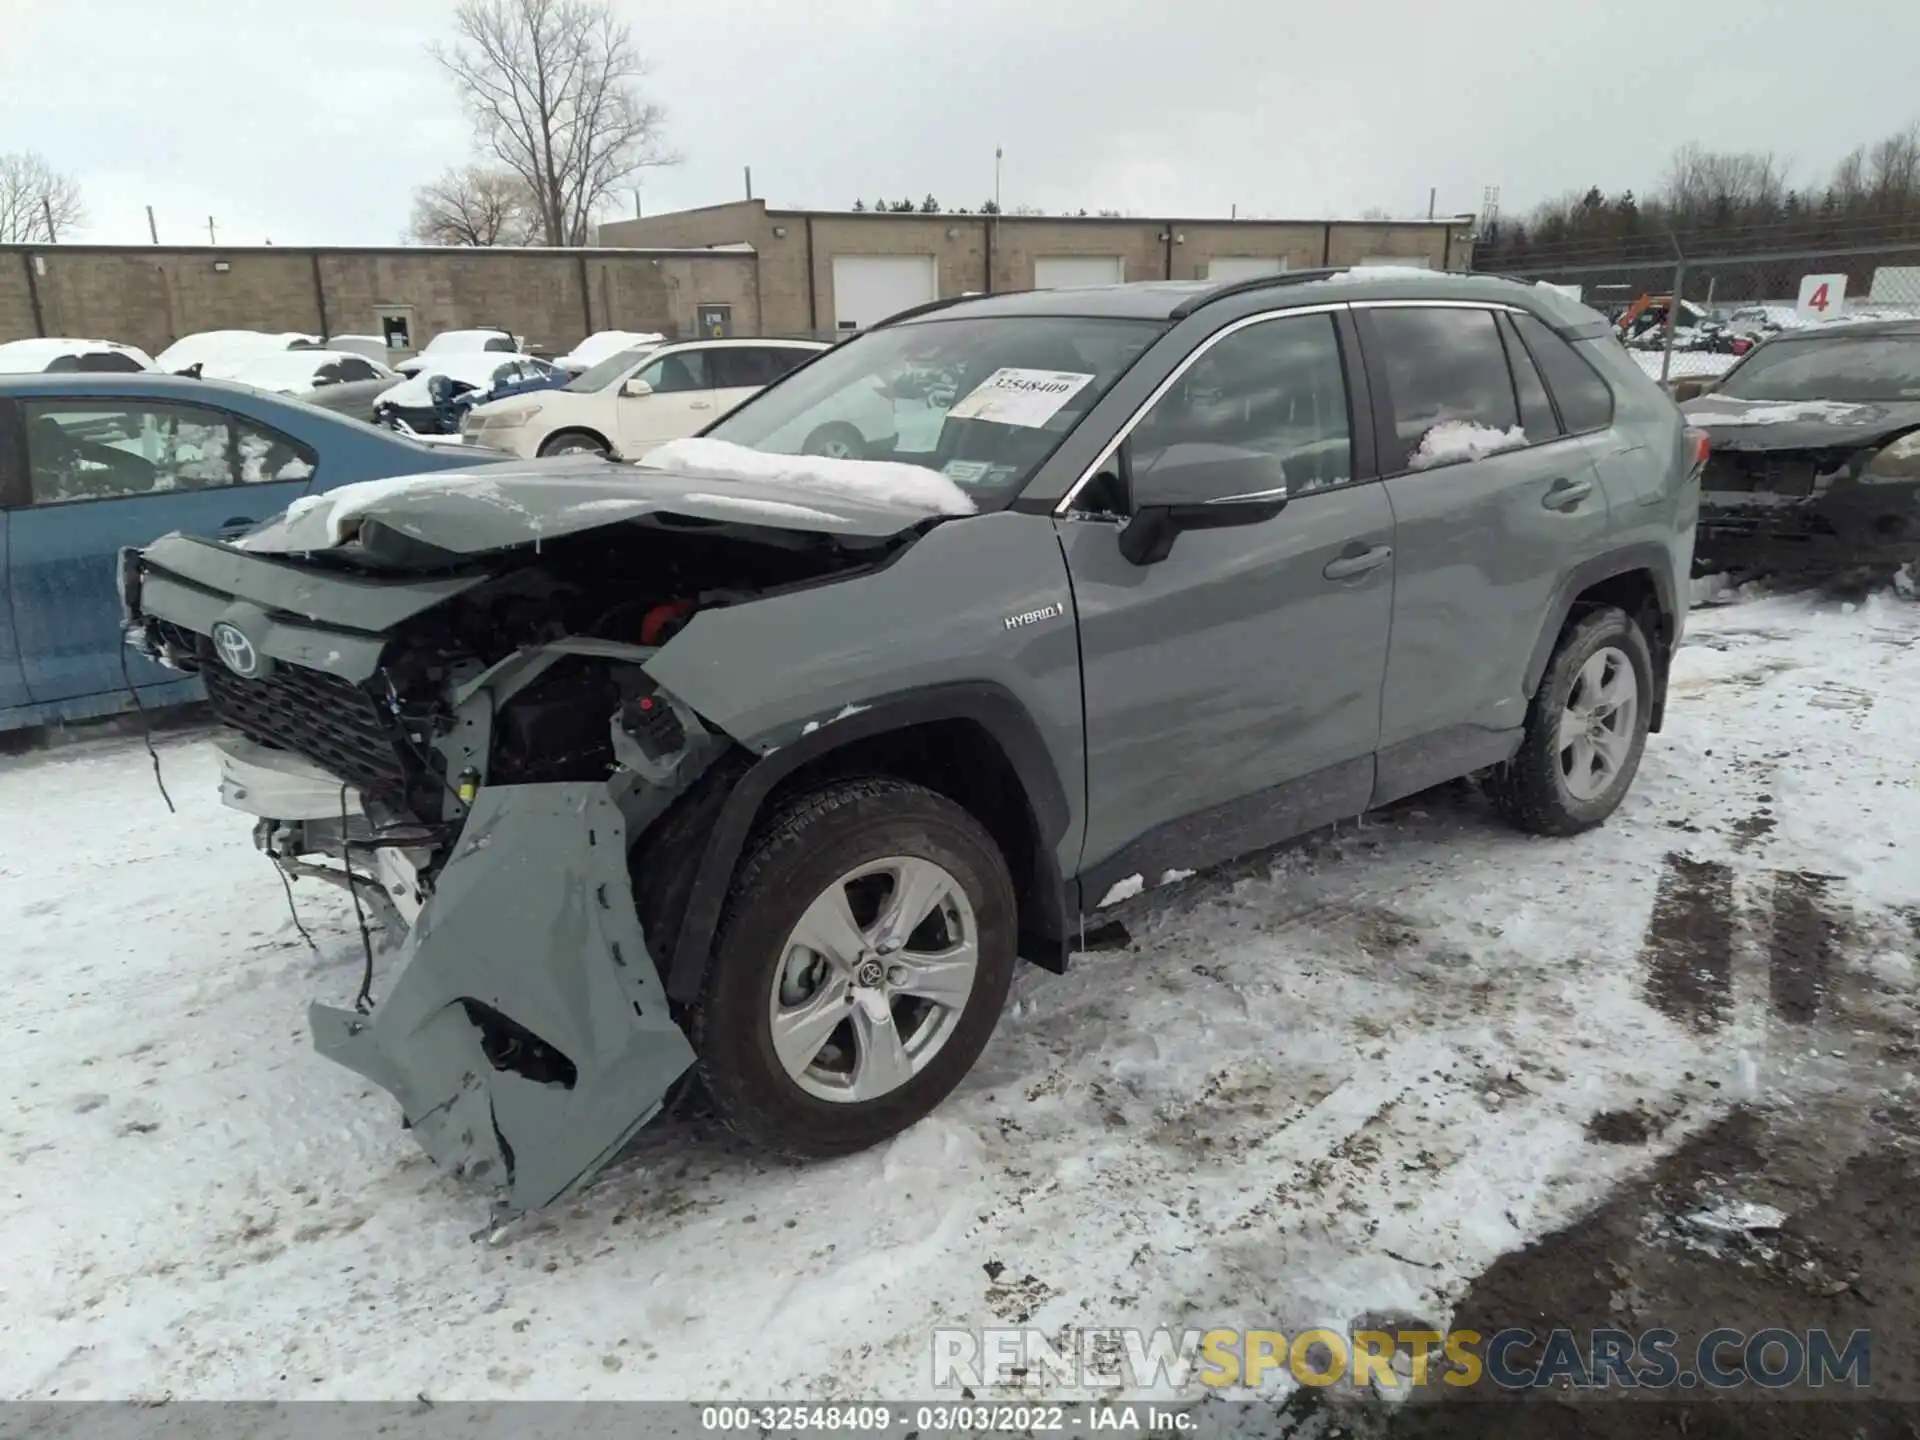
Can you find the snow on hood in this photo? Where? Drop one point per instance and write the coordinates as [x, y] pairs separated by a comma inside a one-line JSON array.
[[469, 512], [1783, 412], [887, 482], [32, 357], [1452, 440]]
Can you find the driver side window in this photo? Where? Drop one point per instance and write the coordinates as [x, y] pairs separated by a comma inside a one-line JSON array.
[[1274, 388], [674, 373]]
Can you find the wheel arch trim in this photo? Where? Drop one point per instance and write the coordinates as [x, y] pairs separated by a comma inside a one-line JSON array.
[[991, 706], [1648, 556]]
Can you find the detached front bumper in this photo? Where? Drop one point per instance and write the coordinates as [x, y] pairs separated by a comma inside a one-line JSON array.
[[527, 1036], [1847, 522]]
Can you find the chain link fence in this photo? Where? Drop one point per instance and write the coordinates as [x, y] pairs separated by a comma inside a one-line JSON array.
[[1729, 303]]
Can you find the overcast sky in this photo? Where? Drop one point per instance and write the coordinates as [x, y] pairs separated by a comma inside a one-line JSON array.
[[309, 121]]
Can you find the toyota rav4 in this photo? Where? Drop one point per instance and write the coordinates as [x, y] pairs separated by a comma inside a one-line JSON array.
[[766, 766]]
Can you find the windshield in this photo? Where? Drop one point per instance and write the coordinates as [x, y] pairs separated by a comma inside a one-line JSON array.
[[1864, 369], [983, 401], [609, 370]]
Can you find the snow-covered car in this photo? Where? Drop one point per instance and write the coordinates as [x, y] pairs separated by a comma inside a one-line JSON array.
[[602, 344], [427, 402], [213, 351], [638, 398], [293, 372], [373, 347], [61, 356], [460, 342], [1816, 450]]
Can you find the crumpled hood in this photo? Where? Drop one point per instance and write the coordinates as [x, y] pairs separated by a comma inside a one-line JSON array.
[[1799, 424], [471, 512]]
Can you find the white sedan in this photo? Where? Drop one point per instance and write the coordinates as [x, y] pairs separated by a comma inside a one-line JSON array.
[[52, 356], [294, 372]]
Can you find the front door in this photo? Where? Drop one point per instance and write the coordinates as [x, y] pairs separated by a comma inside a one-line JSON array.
[[104, 473], [1233, 687], [1492, 505], [678, 400]]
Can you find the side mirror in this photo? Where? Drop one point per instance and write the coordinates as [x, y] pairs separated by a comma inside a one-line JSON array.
[[1685, 390], [1200, 487], [635, 388]]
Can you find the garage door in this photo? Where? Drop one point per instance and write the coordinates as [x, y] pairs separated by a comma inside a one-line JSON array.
[[869, 288], [1244, 267], [1058, 272]]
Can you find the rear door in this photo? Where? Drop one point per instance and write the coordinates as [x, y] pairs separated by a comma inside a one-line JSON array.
[[680, 401], [1493, 503], [740, 372], [104, 473]]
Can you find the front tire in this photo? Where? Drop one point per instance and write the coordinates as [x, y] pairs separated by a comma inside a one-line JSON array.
[[573, 442], [836, 440], [1586, 729], [859, 969]]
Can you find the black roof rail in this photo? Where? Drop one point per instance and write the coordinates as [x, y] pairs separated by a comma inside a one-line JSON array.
[[1230, 288], [924, 308]]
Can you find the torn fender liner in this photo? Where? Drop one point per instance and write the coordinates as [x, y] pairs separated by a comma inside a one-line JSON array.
[[533, 919]]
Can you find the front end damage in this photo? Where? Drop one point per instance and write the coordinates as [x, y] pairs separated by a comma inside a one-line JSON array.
[[472, 745], [1837, 489]]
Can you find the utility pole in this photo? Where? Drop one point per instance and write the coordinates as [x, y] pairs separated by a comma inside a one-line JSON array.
[[46, 208], [1236, 211], [1433, 194], [210, 239], [636, 199], [749, 170], [153, 230], [996, 179]]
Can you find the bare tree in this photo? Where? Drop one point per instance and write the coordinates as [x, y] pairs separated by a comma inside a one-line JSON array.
[[553, 89], [475, 205], [37, 203]]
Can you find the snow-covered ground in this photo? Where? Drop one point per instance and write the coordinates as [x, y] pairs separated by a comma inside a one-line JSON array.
[[1334, 1080]]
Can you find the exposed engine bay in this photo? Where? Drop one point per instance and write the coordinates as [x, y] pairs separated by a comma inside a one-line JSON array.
[[420, 727]]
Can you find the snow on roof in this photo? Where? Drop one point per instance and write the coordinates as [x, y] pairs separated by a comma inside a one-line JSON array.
[[875, 482], [452, 340], [286, 370], [472, 367], [207, 346], [31, 357], [604, 344], [1390, 272]]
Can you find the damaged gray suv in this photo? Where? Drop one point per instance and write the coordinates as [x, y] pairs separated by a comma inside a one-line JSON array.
[[764, 759]]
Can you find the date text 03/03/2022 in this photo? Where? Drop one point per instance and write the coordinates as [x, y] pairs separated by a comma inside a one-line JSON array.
[[943, 1418]]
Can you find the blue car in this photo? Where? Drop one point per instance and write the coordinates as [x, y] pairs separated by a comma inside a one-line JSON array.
[[92, 462]]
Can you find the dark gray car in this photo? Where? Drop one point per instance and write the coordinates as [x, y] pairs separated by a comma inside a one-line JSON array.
[[769, 766], [1816, 450]]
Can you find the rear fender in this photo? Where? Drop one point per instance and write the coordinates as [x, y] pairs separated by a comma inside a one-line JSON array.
[[1652, 558]]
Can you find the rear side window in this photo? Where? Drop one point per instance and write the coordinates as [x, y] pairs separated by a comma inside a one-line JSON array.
[[739, 366], [789, 357], [1583, 397], [1447, 380], [1536, 409]]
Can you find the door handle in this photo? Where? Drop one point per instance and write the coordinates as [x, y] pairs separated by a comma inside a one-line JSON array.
[[1565, 494], [699, 404], [1357, 559]]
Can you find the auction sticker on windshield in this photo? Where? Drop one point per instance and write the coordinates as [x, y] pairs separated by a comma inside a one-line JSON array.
[[1012, 396]]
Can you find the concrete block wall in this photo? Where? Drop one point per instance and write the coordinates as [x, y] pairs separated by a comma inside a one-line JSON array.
[[150, 296], [976, 252]]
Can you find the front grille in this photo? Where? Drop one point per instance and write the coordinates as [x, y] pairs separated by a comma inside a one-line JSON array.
[[333, 722]]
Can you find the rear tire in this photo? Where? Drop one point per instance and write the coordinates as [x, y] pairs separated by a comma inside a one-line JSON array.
[[1586, 729], [836, 1013], [573, 442]]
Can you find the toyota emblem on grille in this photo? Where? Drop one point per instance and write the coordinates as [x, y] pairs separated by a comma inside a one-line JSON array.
[[236, 651]]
